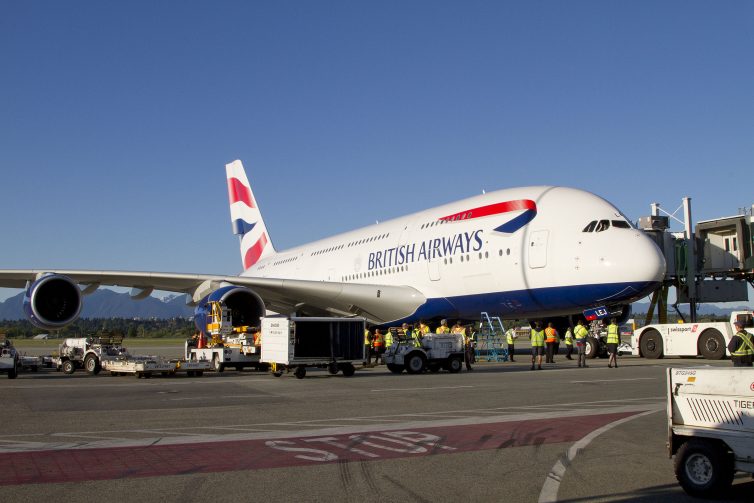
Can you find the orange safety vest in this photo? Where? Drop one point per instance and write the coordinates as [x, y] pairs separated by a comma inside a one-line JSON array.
[[551, 335], [377, 340]]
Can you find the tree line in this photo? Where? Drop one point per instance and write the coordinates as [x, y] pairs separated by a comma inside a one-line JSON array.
[[85, 327]]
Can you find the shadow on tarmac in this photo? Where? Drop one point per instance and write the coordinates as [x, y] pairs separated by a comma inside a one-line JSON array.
[[742, 490]]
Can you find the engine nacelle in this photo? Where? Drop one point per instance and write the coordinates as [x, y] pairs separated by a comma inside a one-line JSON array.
[[246, 307], [52, 302]]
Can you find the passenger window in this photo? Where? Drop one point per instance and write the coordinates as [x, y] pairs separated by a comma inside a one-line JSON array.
[[590, 226], [603, 225], [621, 224]]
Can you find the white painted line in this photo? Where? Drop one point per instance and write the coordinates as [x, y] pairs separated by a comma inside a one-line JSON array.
[[421, 389], [549, 492], [618, 380]]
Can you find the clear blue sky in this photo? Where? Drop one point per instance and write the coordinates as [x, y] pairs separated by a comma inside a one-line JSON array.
[[116, 118]]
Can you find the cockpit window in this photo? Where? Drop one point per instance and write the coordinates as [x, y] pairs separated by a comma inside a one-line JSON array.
[[621, 224], [603, 225], [590, 226]]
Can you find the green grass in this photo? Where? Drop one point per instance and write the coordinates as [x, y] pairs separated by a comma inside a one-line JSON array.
[[52, 344]]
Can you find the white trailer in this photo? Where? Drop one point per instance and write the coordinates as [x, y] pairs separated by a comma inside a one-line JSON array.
[[710, 427], [707, 339], [236, 352], [301, 342], [146, 367]]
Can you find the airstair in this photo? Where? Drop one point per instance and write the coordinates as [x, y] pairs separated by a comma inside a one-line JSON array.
[[490, 340]]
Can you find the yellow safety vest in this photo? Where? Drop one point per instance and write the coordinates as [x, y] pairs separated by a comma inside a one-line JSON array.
[[537, 338], [613, 337], [509, 337], [569, 337], [366, 338], [747, 344], [442, 330], [417, 336], [388, 339], [581, 333]]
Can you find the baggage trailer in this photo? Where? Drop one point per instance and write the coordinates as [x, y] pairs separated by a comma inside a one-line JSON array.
[[146, 367], [300, 342], [708, 339], [710, 427]]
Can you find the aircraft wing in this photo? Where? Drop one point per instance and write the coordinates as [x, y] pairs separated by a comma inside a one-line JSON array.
[[377, 303]]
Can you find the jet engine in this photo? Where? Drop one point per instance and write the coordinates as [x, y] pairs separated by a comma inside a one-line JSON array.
[[246, 307], [52, 302]]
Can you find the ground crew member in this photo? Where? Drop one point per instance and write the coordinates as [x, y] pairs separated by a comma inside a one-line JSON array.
[[510, 338], [404, 332], [569, 342], [551, 338], [580, 334], [257, 335], [423, 328], [458, 328], [378, 343], [416, 335], [368, 345], [537, 345], [443, 328], [741, 346], [389, 338], [613, 340]]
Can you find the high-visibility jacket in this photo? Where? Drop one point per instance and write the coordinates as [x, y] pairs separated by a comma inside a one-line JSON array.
[[537, 338], [377, 341], [581, 333], [257, 338], [613, 337], [388, 339], [569, 337], [423, 329], [367, 342], [442, 330], [551, 335], [416, 334], [510, 336], [747, 344]]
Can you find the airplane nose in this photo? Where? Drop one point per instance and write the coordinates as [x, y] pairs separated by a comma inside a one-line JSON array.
[[643, 260]]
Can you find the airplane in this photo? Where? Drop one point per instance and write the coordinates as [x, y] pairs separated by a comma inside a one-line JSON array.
[[521, 253]]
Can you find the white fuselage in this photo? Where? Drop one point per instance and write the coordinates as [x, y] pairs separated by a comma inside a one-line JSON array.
[[544, 263]]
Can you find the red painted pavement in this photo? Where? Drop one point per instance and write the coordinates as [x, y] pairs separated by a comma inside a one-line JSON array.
[[79, 465]]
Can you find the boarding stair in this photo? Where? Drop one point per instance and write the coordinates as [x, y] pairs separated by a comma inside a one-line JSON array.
[[490, 340]]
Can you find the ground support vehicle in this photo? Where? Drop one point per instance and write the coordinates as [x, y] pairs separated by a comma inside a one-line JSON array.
[[88, 353], [147, 366], [437, 351], [710, 427], [226, 354], [708, 339], [296, 343], [9, 359]]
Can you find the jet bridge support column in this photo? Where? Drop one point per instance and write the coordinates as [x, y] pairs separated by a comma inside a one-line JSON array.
[[691, 262]]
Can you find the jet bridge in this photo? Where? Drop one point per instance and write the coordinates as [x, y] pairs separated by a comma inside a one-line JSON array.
[[715, 263]]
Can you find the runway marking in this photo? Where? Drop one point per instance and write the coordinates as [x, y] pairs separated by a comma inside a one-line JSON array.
[[549, 492], [214, 397], [152, 458], [618, 380], [422, 389]]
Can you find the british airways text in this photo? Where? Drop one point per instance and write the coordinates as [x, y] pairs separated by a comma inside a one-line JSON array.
[[427, 250]]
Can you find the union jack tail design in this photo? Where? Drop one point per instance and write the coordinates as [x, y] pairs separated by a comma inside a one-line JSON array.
[[245, 216]]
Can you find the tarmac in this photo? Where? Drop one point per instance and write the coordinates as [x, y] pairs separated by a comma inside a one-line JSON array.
[[498, 433]]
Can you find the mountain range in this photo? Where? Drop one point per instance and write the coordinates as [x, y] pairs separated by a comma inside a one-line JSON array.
[[105, 303]]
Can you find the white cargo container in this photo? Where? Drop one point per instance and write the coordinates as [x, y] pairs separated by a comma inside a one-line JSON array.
[[301, 342], [710, 427]]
